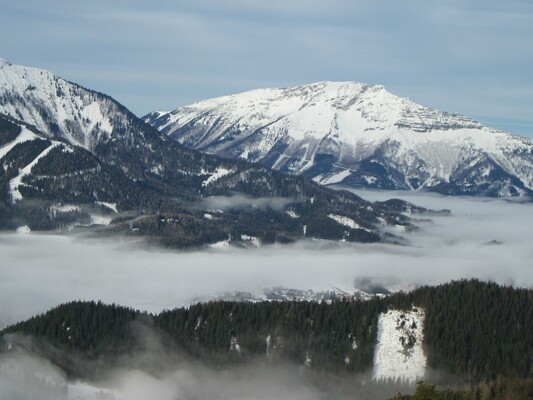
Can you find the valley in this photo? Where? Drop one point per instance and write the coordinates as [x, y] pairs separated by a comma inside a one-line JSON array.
[[328, 240]]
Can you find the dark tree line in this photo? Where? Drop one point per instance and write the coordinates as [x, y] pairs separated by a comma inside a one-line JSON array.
[[474, 331]]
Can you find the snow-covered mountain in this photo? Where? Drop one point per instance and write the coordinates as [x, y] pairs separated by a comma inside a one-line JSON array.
[[358, 135], [56, 106], [69, 153]]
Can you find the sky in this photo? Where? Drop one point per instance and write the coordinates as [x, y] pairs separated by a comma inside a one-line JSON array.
[[472, 57]]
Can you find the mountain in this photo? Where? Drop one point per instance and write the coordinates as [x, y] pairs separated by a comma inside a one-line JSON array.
[[356, 135], [72, 157]]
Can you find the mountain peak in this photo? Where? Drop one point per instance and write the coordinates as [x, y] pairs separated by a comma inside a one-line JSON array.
[[356, 134], [54, 106]]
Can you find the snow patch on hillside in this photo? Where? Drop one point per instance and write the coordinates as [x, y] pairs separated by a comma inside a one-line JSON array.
[[24, 230], [223, 244], [100, 219], [329, 179], [219, 173], [85, 391], [292, 214], [110, 206], [64, 208], [398, 352], [348, 222], [252, 240]]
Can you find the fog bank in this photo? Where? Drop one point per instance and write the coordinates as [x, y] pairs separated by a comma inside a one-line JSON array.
[[486, 239]]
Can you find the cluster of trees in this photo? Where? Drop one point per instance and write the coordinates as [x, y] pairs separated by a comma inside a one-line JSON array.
[[8, 130], [473, 330], [62, 162], [318, 335], [186, 228]]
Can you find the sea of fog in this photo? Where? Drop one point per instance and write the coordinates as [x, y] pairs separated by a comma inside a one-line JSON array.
[[483, 238]]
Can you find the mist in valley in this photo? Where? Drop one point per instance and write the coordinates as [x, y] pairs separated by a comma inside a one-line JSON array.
[[482, 238], [168, 376], [485, 239]]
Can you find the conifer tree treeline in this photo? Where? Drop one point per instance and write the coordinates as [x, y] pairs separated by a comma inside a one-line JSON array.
[[473, 330]]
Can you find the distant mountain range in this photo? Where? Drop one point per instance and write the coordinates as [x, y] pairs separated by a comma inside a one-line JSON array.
[[356, 135], [73, 157]]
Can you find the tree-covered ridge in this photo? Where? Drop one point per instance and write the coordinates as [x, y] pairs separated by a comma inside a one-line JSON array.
[[319, 335], [87, 327], [476, 329], [173, 189], [473, 330]]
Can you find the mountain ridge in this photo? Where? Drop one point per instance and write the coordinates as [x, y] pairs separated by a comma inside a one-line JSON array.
[[88, 151], [356, 134]]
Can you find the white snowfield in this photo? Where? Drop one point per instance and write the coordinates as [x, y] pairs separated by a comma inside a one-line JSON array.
[[350, 121], [219, 173], [110, 206], [399, 352]]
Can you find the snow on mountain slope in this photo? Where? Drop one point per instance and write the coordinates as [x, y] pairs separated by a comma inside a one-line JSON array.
[[356, 134], [66, 112], [398, 352], [89, 150], [16, 182], [56, 177], [54, 105]]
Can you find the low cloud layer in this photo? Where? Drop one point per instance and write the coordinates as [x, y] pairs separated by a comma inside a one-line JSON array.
[[487, 239], [25, 374], [239, 201]]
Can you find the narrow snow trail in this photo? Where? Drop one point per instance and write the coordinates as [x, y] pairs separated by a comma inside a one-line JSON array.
[[17, 181]]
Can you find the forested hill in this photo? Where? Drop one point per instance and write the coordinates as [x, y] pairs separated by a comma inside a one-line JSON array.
[[472, 331]]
